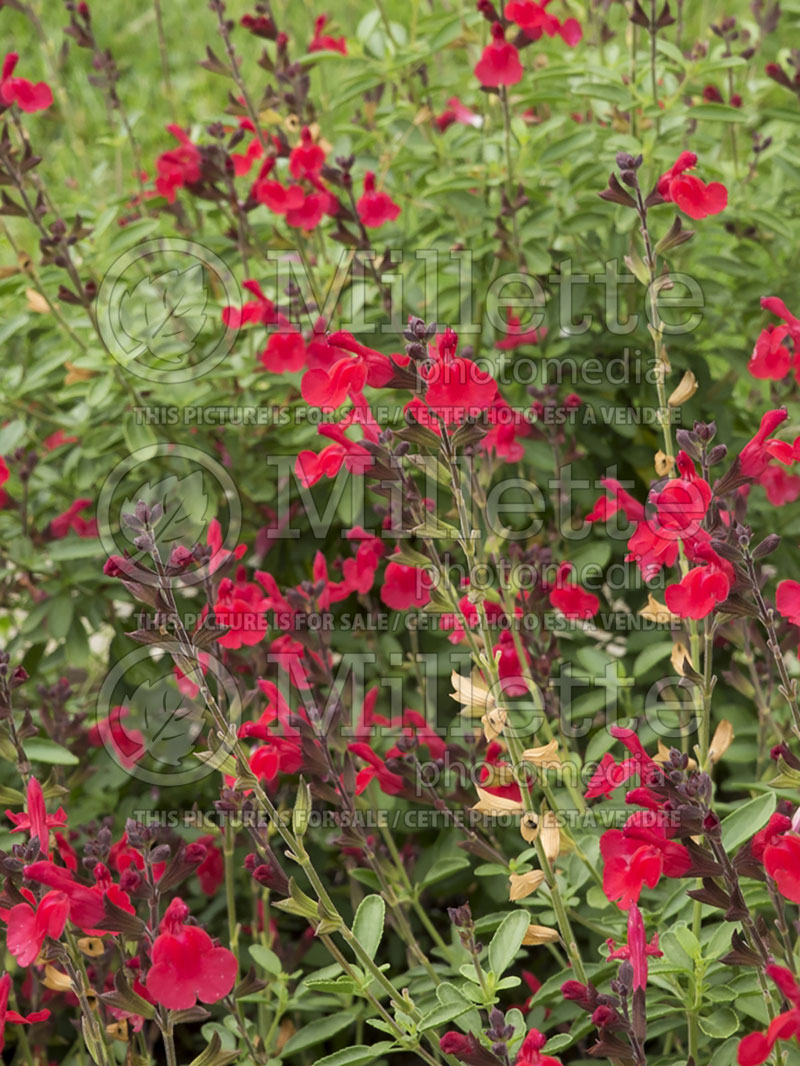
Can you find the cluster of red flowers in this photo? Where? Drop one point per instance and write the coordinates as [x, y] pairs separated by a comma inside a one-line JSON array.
[[500, 64]]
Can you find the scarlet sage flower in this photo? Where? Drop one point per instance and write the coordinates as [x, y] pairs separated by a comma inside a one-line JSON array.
[[29, 924], [321, 42], [780, 486], [756, 455], [86, 904], [689, 193], [569, 598], [179, 166], [73, 520], [782, 863], [757, 1047], [457, 112], [25, 94], [530, 1053], [307, 159], [259, 310], [535, 20], [391, 784], [352, 366], [129, 745], [7, 1015], [637, 949], [285, 352], [499, 64], [240, 605], [34, 819], [375, 208], [637, 856], [186, 964], [405, 586], [787, 600], [772, 359], [682, 502], [702, 588], [456, 386], [278, 198]]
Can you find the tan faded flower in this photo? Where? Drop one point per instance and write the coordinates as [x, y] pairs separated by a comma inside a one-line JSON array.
[[680, 654], [91, 946], [522, 885], [539, 934], [489, 804], [654, 611], [550, 835], [529, 826], [494, 722], [56, 980], [472, 694], [663, 463], [684, 390], [721, 741], [546, 756]]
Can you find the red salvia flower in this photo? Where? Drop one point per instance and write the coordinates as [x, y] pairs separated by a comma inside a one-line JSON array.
[[259, 310], [689, 193], [375, 208], [186, 964], [702, 588], [530, 1053], [570, 598], [29, 924], [25, 94], [499, 64], [321, 42], [782, 863], [307, 159], [7, 1015], [405, 586], [73, 520], [787, 600], [535, 20], [757, 1047], [457, 112], [756, 455], [129, 745], [35, 819], [179, 166]]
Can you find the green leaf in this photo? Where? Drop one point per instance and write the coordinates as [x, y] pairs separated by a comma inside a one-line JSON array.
[[358, 1055], [266, 959], [747, 819], [39, 749], [720, 1024], [317, 1031], [717, 113], [368, 924], [443, 868], [507, 941]]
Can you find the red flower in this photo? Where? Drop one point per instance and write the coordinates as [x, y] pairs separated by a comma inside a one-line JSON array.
[[757, 1047], [770, 834], [405, 586], [499, 64], [637, 856], [29, 924], [186, 965], [780, 486], [128, 744], [272, 194], [352, 366], [771, 359], [457, 112], [756, 455], [306, 160], [240, 606], [637, 949], [681, 504], [285, 352], [530, 1054], [787, 600], [71, 520], [178, 166], [782, 863], [211, 870], [702, 588], [375, 208], [35, 819], [323, 43], [391, 784], [86, 904], [19, 91], [535, 20], [259, 310], [456, 387], [7, 1015], [689, 193], [571, 599]]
